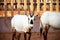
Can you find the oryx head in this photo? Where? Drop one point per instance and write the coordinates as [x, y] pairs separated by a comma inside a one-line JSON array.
[[31, 18]]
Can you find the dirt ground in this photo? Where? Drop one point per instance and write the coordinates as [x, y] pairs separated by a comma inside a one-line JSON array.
[[5, 31], [34, 36]]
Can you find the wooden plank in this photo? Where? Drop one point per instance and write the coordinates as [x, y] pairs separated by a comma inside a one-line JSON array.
[[12, 7], [57, 5], [44, 5], [31, 6], [5, 9], [41, 0], [51, 5], [18, 6], [38, 6], [25, 4]]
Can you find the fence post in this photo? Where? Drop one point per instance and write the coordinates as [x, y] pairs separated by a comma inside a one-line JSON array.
[[38, 6], [5, 8], [44, 5], [12, 7], [25, 6], [41, 0], [57, 5], [51, 4], [31, 6], [18, 6]]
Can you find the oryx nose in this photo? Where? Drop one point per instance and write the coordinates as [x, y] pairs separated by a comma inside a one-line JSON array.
[[31, 22]]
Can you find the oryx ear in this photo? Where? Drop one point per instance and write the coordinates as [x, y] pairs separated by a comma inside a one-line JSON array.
[[37, 15]]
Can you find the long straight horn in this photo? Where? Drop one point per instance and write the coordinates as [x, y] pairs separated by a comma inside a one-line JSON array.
[[33, 11], [29, 12]]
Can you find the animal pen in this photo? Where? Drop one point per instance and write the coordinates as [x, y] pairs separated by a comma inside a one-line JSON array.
[[9, 8]]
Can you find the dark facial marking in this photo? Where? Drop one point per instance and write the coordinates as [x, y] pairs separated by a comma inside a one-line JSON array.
[[31, 22]]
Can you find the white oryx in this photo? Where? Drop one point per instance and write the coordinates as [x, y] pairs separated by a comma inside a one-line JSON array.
[[49, 19], [22, 23]]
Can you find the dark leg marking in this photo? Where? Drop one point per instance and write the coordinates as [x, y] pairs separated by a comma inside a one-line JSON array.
[[13, 35], [19, 36], [29, 34], [24, 36], [41, 29], [45, 35], [45, 31]]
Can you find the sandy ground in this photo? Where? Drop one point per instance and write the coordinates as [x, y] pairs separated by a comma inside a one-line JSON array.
[[34, 36], [5, 31]]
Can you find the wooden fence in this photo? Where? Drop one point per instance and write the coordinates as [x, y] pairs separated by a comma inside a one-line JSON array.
[[12, 7]]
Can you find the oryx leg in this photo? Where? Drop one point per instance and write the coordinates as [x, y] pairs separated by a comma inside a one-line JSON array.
[[45, 31], [19, 36], [24, 36], [13, 35], [29, 34], [41, 29]]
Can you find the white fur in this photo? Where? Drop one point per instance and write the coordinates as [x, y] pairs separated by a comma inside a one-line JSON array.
[[51, 18], [20, 23]]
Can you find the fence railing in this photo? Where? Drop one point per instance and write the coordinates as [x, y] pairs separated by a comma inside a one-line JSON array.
[[12, 7]]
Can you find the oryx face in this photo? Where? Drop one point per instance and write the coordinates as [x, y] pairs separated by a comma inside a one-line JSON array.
[[31, 19]]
